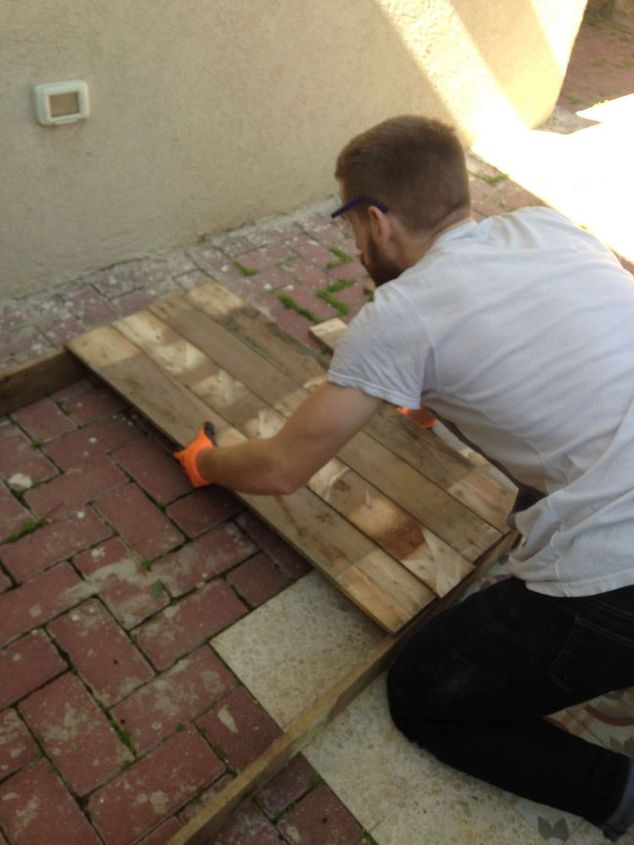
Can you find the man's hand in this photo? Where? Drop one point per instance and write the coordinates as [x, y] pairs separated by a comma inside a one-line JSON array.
[[188, 457]]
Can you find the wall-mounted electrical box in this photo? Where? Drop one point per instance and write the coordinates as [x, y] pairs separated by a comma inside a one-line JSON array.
[[57, 103]]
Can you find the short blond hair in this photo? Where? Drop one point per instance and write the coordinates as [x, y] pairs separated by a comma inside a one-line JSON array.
[[414, 165]]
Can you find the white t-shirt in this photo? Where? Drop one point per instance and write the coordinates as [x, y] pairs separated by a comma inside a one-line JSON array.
[[520, 330]]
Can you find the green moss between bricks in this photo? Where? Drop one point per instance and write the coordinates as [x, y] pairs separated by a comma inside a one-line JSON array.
[[327, 294], [28, 527], [316, 781], [288, 302], [339, 284], [342, 257], [246, 271], [158, 589], [124, 735]]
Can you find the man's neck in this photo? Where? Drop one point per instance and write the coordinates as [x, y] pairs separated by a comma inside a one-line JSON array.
[[416, 248]]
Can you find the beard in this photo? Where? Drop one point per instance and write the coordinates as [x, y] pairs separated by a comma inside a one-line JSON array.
[[379, 268]]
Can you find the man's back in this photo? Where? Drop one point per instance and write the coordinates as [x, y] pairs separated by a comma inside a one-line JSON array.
[[520, 330]]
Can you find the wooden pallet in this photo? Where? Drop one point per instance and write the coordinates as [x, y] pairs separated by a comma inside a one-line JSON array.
[[397, 519]]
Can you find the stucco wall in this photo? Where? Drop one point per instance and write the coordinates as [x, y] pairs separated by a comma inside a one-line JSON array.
[[210, 113]]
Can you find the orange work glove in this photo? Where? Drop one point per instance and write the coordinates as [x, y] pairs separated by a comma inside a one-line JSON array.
[[188, 456], [423, 416]]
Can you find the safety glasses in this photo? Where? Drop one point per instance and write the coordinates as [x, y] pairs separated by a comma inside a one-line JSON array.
[[345, 208]]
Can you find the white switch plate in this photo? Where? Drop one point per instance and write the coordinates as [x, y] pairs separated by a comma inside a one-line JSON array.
[[57, 103]]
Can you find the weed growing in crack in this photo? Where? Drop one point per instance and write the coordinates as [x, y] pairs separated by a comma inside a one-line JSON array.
[[288, 302], [246, 271], [342, 257]]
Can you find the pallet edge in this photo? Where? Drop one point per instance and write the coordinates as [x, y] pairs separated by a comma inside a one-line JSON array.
[[36, 379]]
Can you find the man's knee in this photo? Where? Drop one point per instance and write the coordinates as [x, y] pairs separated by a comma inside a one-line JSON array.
[[418, 699], [429, 693]]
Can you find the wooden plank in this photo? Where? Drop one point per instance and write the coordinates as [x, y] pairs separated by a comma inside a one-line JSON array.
[[169, 405], [258, 332], [36, 379], [299, 734], [313, 527], [421, 551], [449, 519], [472, 482], [475, 484], [413, 546], [329, 332]]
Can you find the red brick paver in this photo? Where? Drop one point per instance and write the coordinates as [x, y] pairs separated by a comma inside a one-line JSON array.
[[12, 515], [153, 788], [277, 549], [258, 580], [43, 420], [155, 710], [38, 600], [202, 509], [130, 591], [27, 664], [101, 652], [312, 250], [180, 628], [37, 809], [249, 826], [75, 733], [320, 817], [17, 747], [287, 787], [240, 728], [89, 442], [153, 470], [79, 485], [91, 403], [18, 455], [266, 256], [148, 531], [202, 559], [53, 542]]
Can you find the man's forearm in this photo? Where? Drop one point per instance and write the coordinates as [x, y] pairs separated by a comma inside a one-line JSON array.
[[281, 464], [254, 466]]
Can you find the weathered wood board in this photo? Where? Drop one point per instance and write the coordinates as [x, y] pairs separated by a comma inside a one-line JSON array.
[[395, 520]]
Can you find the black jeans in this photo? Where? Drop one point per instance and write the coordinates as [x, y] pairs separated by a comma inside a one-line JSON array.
[[474, 685]]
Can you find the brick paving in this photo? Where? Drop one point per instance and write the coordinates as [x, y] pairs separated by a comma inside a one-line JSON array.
[[118, 721]]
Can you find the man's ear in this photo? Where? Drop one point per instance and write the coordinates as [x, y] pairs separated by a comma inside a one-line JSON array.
[[380, 224]]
